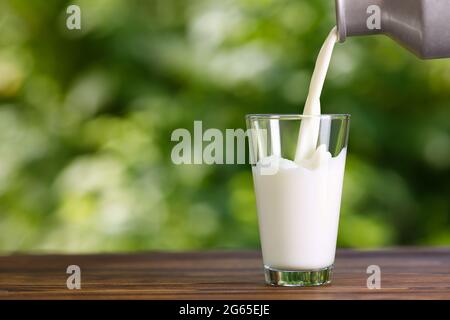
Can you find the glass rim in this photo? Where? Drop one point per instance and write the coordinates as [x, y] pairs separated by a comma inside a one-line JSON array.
[[293, 116]]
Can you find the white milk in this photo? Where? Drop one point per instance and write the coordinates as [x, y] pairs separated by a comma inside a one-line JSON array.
[[298, 211], [298, 206]]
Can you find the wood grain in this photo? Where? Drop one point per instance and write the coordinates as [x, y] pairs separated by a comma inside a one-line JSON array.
[[407, 273]]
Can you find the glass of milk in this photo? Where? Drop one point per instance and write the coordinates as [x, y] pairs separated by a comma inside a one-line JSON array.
[[298, 168]]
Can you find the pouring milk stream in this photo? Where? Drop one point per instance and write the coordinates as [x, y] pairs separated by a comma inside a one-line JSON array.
[[309, 129]]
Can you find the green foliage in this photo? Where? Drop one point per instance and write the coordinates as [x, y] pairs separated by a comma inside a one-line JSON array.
[[86, 117]]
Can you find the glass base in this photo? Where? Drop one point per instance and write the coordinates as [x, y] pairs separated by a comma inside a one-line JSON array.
[[303, 278]]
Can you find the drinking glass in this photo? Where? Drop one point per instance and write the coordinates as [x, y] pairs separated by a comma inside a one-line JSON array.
[[298, 169]]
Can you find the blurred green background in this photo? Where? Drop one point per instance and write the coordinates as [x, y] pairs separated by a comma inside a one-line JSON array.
[[86, 117]]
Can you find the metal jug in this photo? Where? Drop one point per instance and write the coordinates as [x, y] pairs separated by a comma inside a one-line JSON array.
[[422, 26]]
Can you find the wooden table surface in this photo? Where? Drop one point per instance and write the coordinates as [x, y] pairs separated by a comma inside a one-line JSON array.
[[406, 273]]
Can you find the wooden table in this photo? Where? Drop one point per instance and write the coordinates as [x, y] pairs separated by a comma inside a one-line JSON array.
[[406, 273]]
